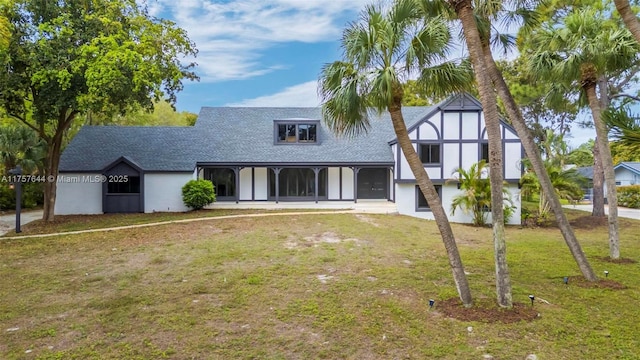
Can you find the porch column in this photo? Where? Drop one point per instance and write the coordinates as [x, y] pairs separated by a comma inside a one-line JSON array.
[[356, 170], [236, 171], [276, 171], [315, 172]]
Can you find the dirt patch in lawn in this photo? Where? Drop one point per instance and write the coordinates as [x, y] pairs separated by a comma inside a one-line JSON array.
[[589, 222], [367, 219], [486, 311], [316, 239], [600, 284], [617, 261]]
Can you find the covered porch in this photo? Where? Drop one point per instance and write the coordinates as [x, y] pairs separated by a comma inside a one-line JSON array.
[[299, 183]]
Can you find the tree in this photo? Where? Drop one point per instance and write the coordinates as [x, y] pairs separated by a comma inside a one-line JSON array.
[[476, 193], [491, 11], [70, 57], [567, 184], [582, 51], [629, 17], [465, 13], [381, 49], [21, 146]]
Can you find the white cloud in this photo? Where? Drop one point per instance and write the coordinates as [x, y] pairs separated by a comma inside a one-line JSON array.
[[301, 95], [231, 36]]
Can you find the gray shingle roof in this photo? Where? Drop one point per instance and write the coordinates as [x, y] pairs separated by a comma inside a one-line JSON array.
[[152, 148], [226, 135], [632, 166], [246, 135]]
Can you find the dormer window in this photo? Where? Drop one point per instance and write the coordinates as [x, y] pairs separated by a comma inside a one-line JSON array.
[[294, 132]]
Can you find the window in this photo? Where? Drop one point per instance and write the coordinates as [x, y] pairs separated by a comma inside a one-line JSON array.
[[421, 201], [131, 186], [298, 183], [430, 153], [224, 182], [294, 133], [484, 152]]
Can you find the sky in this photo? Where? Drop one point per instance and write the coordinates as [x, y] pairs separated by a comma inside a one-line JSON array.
[[264, 52], [258, 53]]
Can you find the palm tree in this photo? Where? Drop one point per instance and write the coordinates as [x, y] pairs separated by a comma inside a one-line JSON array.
[[380, 52], [464, 12], [476, 193], [583, 50], [566, 185], [491, 11], [19, 145], [629, 17]]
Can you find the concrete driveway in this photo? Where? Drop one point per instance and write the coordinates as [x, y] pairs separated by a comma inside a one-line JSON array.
[[8, 222], [622, 211]]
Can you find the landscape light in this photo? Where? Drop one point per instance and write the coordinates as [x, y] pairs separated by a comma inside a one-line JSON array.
[[431, 302], [532, 298], [606, 273]]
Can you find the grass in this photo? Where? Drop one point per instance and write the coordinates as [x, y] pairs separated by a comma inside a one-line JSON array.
[[65, 223], [305, 286]]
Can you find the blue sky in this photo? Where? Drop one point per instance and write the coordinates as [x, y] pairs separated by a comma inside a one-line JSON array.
[[265, 53], [258, 53]]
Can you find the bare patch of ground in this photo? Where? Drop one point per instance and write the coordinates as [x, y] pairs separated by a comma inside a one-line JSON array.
[[589, 222], [617, 261], [367, 219], [600, 284], [316, 239], [486, 311]]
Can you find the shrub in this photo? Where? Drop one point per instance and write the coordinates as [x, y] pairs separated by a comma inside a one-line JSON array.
[[629, 196], [197, 194], [32, 195]]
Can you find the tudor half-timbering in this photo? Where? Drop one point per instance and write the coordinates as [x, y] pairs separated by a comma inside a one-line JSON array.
[[449, 137], [277, 155]]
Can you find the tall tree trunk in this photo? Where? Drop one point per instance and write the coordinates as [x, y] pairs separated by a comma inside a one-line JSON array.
[[629, 18], [533, 153], [52, 162], [431, 195], [598, 182], [464, 10], [589, 87]]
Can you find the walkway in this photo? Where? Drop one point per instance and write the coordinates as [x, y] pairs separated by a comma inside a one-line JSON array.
[[369, 207], [8, 222], [622, 211]]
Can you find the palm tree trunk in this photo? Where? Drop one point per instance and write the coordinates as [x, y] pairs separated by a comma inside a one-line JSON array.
[[607, 165], [533, 154], [430, 194], [464, 10], [598, 182], [629, 17]]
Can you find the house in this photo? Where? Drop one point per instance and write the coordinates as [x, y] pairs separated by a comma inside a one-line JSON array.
[[276, 155], [626, 173]]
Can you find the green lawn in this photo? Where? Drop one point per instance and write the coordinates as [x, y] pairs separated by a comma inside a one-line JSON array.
[[305, 286]]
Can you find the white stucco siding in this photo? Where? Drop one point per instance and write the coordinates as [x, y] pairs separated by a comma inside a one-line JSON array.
[[470, 155], [470, 126], [451, 158], [333, 191], [261, 188], [405, 170], [245, 184], [347, 183], [406, 204], [509, 134], [77, 194], [163, 191], [512, 160], [429, 131], [451, 124]]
